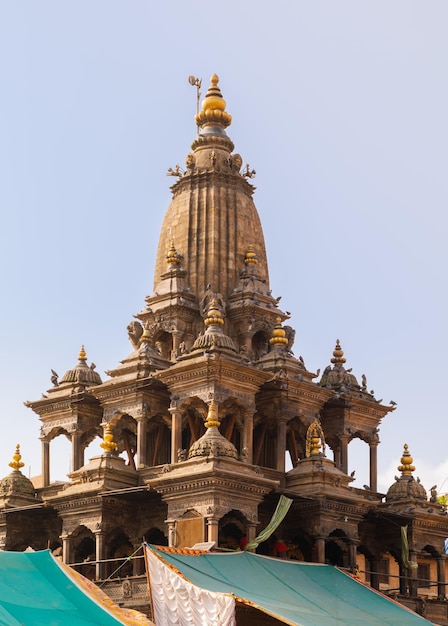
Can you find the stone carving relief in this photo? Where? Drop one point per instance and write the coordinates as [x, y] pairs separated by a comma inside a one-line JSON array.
[[216, 507], [135, 331]]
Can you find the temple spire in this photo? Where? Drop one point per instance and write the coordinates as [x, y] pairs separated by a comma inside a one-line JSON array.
[[213, 112]]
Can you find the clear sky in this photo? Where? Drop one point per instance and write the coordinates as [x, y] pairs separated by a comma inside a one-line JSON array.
[[341, 108]]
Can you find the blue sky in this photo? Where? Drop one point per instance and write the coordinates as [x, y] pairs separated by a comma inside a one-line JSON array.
[[340, 107]]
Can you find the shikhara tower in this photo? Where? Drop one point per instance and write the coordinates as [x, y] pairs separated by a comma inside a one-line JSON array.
[[209, 402]]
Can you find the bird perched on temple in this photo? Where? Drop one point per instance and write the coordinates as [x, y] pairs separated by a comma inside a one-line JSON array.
[[54, 378]]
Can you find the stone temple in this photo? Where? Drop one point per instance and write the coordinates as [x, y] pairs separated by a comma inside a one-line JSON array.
[[198, 421]]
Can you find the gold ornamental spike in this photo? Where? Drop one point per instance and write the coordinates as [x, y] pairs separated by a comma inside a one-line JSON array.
[[338, 355], [212, 416], [406, 468], [16, 462], [278, 335]]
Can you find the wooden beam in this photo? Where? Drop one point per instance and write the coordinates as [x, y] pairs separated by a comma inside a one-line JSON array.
[[260, 443], [293, 449], [229, 429], [192, 423], [129, 450], [155, 458]]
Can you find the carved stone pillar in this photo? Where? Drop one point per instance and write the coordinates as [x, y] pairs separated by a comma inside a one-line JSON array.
[[66, 549], [172, 538], [344, 453], [248, 435], [177, 336], [441, 584], [176, 433], [212, 529], [141, 441], [352, 553], [403, 580], [374, 575], [45, 463], [373, 465], [251, 532], [77, 451], [413, 582], [281, 445], [337, 457], [320, 549], [100, 552]]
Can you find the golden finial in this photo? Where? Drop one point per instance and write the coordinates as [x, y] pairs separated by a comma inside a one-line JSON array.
[[213, 107], [16, 463], [315, 439], [214, 315], [338, 355], [146, 336], [278, 335], [406, 468], [108, 444], [212, 416], [173, 258], [251, 257], [82, 354]]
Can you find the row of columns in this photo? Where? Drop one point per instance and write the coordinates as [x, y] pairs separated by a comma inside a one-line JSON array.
[[341, 459], [340, 454], [100, 555], [77, 457]]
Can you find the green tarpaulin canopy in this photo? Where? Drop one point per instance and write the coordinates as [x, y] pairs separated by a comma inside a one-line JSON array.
[[297, 593], [35, 590]]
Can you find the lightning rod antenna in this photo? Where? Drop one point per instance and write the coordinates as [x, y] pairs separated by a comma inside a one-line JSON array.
[[196, 82]]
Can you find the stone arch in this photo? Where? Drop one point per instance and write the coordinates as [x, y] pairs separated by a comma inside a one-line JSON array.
[[336, 548], [300, 546], [163, 342], [124, 429], [156, 536], [432, 550], [118, 548], [232, 530], [260, 344], [83, 551]]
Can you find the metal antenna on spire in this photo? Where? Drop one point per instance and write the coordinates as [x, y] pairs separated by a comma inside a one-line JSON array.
[[196, 82]]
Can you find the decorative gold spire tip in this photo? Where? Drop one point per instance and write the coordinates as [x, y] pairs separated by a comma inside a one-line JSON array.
[[251, 257], [278, 335], [406, 468], [82, 354], [16, 463], [108, 444], [338, 355], [214, 315], [212, 416], [173, 258], [213, 107]]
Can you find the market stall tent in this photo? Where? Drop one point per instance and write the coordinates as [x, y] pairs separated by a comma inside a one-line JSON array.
[[205, 588], [36, 589]]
